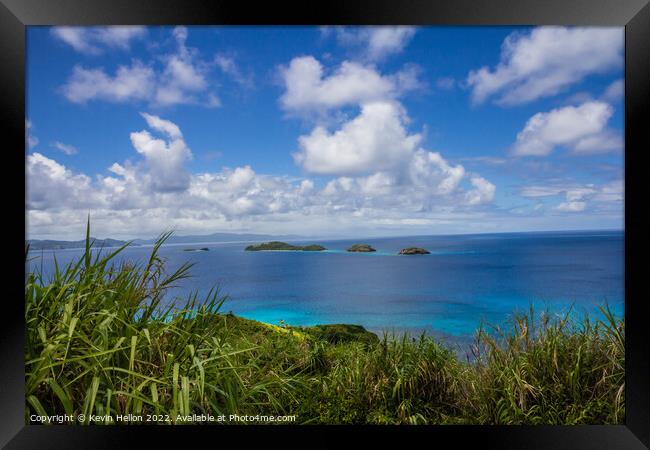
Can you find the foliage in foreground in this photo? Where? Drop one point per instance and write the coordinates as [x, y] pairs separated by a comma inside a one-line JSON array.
[[99, 341]]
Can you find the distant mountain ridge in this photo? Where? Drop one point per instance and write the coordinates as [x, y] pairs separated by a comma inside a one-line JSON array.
[[49, 244], [217, 237]]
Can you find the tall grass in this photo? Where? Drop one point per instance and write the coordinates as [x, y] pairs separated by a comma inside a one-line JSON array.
[[552, 372], [100, 339]]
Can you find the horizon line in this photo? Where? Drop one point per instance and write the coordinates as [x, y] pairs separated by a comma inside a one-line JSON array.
[[342, 237]]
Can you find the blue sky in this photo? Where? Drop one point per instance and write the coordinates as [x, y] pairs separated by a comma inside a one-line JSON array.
[[323, 131]]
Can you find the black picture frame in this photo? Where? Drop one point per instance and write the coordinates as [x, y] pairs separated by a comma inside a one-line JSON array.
[[15, 15]]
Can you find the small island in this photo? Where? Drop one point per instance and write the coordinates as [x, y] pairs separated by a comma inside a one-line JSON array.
[[277, 245], [414, 251], [363, 248], [202, 249]]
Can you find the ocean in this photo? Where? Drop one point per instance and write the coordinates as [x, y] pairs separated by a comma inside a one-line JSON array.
[[466, 281]]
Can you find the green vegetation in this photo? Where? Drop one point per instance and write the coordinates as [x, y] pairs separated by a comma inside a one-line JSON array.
[[100, 341], [312, 248], [361, 248], [277, 245], [414, 251], [339, 333]]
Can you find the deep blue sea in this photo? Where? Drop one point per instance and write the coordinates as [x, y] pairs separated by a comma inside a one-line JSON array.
[[466, 280]]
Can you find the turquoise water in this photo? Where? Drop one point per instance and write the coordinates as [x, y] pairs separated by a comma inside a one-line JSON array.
[[465, 280]]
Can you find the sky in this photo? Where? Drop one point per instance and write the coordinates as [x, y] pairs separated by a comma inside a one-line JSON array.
[[323, 131]]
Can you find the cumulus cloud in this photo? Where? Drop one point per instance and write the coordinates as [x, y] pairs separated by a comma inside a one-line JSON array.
[[308, 88], [164, 159], [375, 140], [51, 185], [431, 184], [94, 40], [483, 191], [582, 129], [547, 61], [181, 80], [183, 76], [379, 164], [156, 192], [134, 82], [162, 125], [373, 43], [431, 172]]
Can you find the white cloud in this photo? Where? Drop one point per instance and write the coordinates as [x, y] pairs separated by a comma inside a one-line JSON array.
[[373, 43], [430, 172], [603, 142], [580, 128], [309, 89], [541, 191], [157, 192], [489, 160], [51, 186], [483, 191], [579, 197], [383, 41], [380, 166], [162, 125], [377, 184], [31, 141], [578, 98], [611, 192], [164, 159], [65, 148], [183, 75], [580, 193], [182, 80], [572, 192], [120, 36], [571, 206], [431, 186], [133, 82], [375, 140], [228, 66], [615, 92], [547, 61], [93, 40]]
